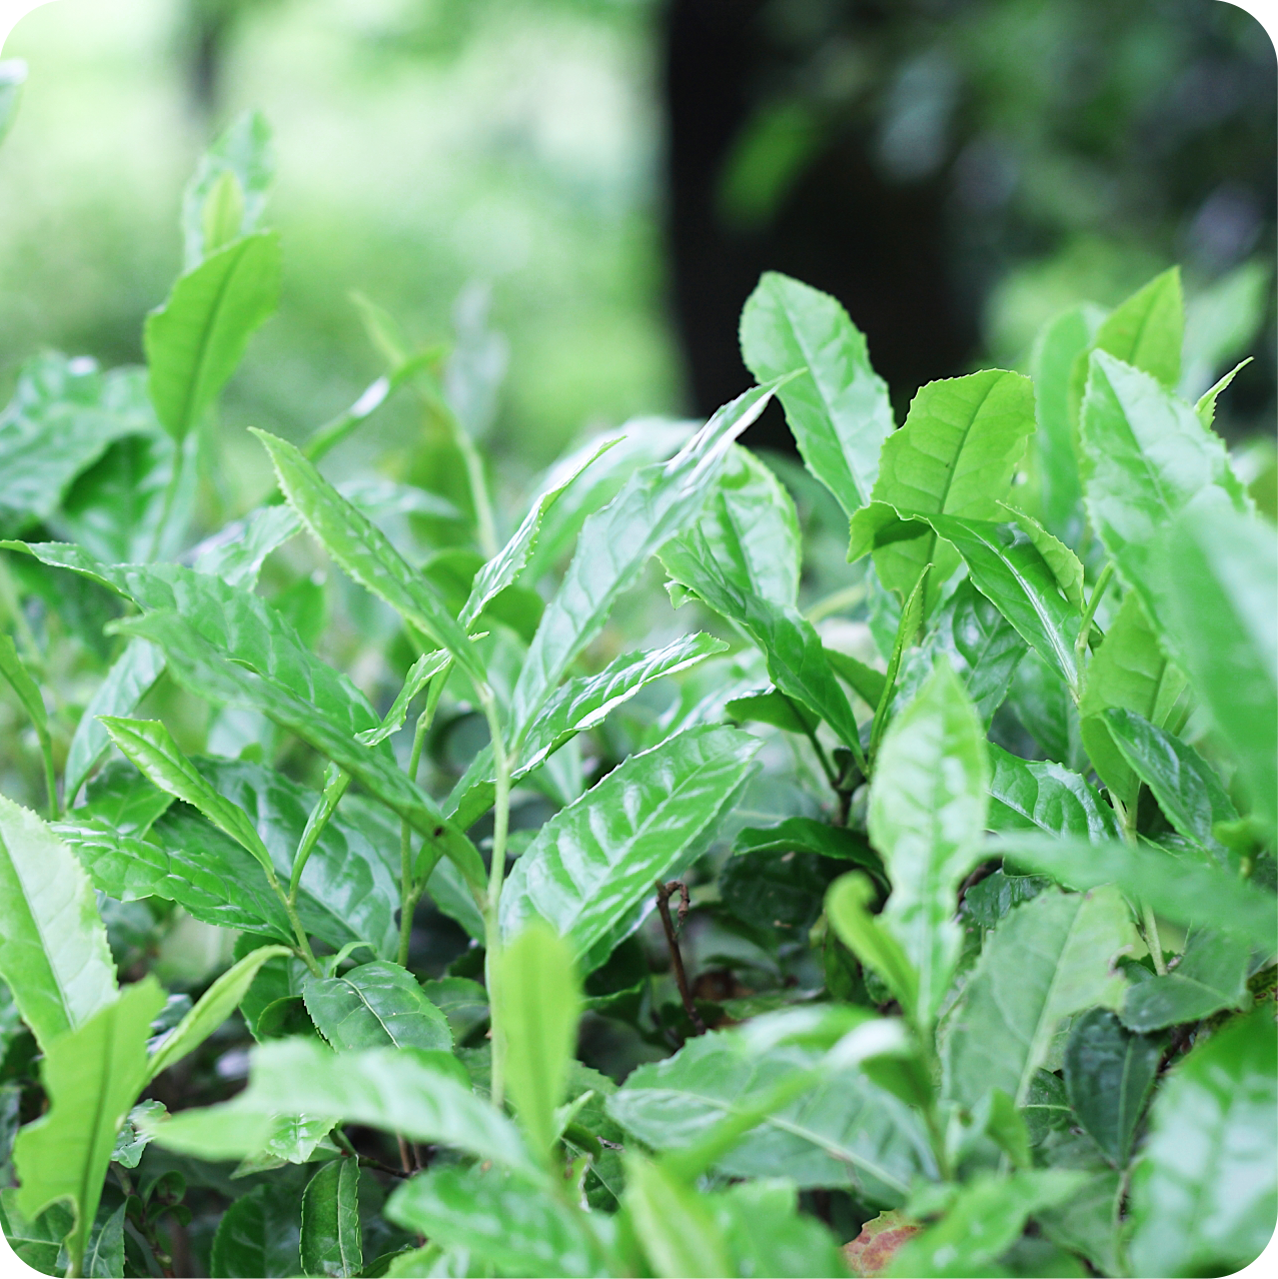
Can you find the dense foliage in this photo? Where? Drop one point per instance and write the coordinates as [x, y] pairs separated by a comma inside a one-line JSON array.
[[570, 941]]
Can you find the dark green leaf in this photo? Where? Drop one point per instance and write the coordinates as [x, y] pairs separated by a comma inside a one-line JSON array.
[[462, 1001], [1050, 958], [956, 454], [1210, 975], [1204, 1197], [331, 1238], [258, 1235], [1108, 1075], [1025, 795], [655, 504], [195, 340], [38, 1243], [866, 682], [104, 1257], [53, 947], [991, 898], [839, 412], [595, 861], [1088, 1221], [927, 812], [92, 1076], [509, 1224], [375, 1005]]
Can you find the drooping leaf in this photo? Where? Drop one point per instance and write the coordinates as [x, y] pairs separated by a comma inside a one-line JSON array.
[[92, 1076], [195, 340], [13, 670], [1188, 791], [986, 1218], [130, 678], [501, 1220], [1204, 1196], [865, 681], [63, 416], [1050, 958], [539, 998], [615, 543], [844, 1131], [795, 657], [243, 152], [401, 1090], [331, 1238], [955, 455], [53, 946], [872, 943], [578, 706], [1057, 346], [839, 412], [1131, 671], [1219, 583], [1028, 795], [927, 809], [1108, 1075], [1177, 889], [258, 1235], [596, 860], [213, 1007], [1210, 975], [1145, 458], [375, 1005]]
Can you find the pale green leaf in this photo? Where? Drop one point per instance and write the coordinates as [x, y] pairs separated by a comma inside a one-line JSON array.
[[243, 153]]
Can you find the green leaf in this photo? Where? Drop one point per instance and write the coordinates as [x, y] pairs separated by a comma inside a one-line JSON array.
[[1204, 1198], [1058, 345], [578, 706], [615, 543], [1108, 1075], [149, 745], [807, 835], [1128, 670], [1188, 791], [1219, 583], [123, 799], [195, 340], [1182, 891], [795, 657], [956, 455], [63, 416], [258, 1235], [242, 153], [92, 1076], [104, 1257], [501, 1220], [843, 1131], [1205, 406], [37, 1243], [1050, 958], [1210, 975], [366, 554], [236, 552], [539, 1000], [927, 808], [129, 1141], [847, 907], [768, 1235], [1027, 795], [401, 1090], [1088, 1221], [332, 1241], [986, 1218], [19, 678], [216, 1004], [1145, 458], [840, 412], [53, 947], [375, 1005], [866, 682], [596, 860], [208, 672], [673, 1224], [130, 678], [1012, 574]]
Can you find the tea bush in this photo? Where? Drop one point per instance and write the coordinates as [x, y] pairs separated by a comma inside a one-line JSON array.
[[936, 920]]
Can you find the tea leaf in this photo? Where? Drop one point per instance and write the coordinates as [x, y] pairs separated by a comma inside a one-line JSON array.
[[53, 947], [258, 1235], [332, 1239], [673, 1224], [195, 340], [840, 412], [243, 153], [1211, 975], [375, 1005], [1025, 795]]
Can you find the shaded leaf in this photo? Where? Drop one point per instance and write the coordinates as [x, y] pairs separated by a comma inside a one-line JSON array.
[[1210, 975], [258, 1235], [331, 1237]]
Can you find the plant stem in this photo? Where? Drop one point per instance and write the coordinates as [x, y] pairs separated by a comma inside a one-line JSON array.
[[1153, 941], [1085, 627], [170, 496], [409, 890], [50, 776], [676, 955], [836, 602], [492, 917]]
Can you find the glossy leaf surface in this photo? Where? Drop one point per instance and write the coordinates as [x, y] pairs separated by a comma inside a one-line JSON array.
[[258, 1235], [1210, 975], [374, 1006], [332, 1239], [1044, 796]]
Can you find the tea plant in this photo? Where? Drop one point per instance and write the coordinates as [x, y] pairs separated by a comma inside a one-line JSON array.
[[972, 950]]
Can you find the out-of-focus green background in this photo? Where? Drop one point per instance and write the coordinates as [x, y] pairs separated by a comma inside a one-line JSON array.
[[430, 150]]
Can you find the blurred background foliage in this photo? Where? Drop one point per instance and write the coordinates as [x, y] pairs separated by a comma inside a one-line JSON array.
[[612, 175]]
